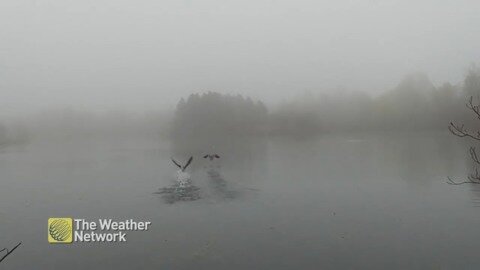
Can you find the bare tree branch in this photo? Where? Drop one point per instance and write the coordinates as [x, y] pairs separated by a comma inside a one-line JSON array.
[[473, 155], [9, 251], [461, 131], [475, 108], [472, 179], [451, 182]]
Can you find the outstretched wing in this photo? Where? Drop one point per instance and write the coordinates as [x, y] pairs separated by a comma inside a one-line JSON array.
[[178, 165], [188, 163], [217, 156]]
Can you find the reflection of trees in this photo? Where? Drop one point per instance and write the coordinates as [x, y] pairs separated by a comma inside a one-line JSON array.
[[3, 135], [410, 155], [420, 158], [13, 135], [475, 194], [230, 126]]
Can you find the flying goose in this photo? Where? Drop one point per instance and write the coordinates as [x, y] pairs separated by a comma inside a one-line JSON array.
[[211, 156]]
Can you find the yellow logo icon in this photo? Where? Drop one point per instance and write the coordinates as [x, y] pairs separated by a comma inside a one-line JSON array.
[[60, 230]]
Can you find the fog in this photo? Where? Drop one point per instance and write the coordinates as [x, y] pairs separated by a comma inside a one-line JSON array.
[[208, 119], [265, 134], [146, 55], [226, 77]]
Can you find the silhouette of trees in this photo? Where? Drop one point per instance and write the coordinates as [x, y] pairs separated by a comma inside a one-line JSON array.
[[472, 82], [214, 113], [409, 104], [215, 122], [298, 124], [415, 104]]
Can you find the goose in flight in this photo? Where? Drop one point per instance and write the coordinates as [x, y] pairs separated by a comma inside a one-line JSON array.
[[182, 168], [211, 156]]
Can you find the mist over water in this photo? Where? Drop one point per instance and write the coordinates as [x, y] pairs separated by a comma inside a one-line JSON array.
[[333, 202], [329, 182], [318, 131]]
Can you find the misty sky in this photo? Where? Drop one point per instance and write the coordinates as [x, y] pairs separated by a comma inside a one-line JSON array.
[[146, 54]]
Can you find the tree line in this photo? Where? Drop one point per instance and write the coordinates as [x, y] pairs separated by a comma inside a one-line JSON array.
[[414, 104]]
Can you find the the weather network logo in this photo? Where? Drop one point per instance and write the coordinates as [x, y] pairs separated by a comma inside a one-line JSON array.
[[79, 230], [60, 230]]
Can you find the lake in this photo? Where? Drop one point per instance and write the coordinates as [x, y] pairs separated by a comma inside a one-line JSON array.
[[351, 201]]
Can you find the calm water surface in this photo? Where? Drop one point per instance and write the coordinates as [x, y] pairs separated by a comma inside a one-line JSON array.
[[337, 202]]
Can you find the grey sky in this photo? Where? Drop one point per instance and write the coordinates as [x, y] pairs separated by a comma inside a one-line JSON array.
[[146, 54]]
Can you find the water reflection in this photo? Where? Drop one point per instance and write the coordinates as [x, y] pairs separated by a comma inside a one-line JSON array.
[[336, 194], [420, 159], [475, 191], [221, 188]]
